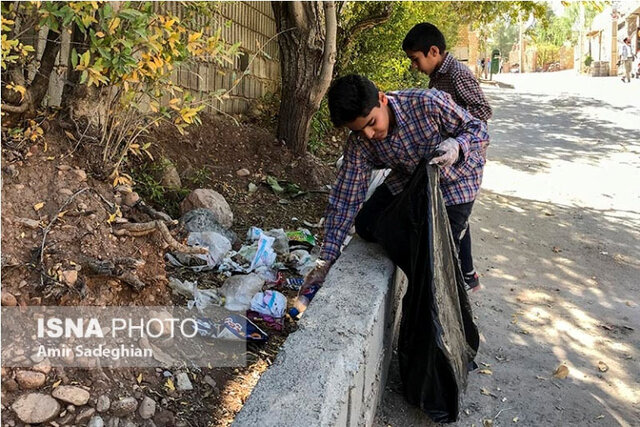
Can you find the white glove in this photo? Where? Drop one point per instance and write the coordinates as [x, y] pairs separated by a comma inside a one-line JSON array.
[[451, 149]]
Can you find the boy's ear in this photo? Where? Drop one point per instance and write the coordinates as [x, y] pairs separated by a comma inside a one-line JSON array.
[[382, 98], [434, 51]]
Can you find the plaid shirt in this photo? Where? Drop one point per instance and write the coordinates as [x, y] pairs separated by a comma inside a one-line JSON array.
[[424, 118], [457, 80]]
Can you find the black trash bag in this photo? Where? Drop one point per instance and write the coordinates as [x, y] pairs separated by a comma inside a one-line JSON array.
[[438, 339]]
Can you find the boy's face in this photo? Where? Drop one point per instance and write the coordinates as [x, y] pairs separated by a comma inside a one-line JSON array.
[[374, 125], [424, 63]]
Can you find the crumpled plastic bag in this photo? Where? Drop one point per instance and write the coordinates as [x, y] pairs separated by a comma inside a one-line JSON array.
[[217, 244], [302, 261], [281, 242], [272, 303], [198, 298], [238, 291]]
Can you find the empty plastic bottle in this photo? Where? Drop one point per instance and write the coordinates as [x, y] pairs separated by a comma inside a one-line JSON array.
[[302, 301]]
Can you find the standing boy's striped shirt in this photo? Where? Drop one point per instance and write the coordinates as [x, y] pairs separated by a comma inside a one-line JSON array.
[[424, 118], [456, 79]]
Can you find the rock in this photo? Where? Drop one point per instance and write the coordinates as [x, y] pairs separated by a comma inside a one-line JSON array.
[[65, 192], [34, 408], [103, 404], [65, 419], [130, 199], [212, 200], [113, 422], [243, 172], [8, 300], [170, 177], [70, 277], [210, 381], [124, 406], [71, 394], [96, 421], [30, 380], [71, 409], [147, 408], [10, 385], [36, 358], [63, 168], [80, 174], [164, 418], [28, 222], [130, 424], [184, 383], [43, 366], [198, 220], [252, 188], [85, 415]]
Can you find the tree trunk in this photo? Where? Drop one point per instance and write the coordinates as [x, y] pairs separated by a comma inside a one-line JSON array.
[[307, 41]]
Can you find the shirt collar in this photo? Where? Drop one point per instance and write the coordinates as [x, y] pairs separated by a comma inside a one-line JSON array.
[[446, 64], [400, 115]]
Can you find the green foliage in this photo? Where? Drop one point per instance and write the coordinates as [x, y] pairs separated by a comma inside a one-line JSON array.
[[200, 177], [320, 127], [588, 60]]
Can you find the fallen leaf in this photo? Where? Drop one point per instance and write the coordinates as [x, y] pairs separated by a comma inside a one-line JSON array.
[[599, 417], [56, 384], [602, 367], [139, 379], [561, 372], [38, 206], [61, 214], [485, 372], [170, 385], [70, 135]]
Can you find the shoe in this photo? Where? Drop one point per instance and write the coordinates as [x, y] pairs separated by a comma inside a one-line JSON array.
[[472, 282]]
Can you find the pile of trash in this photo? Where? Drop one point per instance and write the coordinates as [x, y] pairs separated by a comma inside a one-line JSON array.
[[267, 263]]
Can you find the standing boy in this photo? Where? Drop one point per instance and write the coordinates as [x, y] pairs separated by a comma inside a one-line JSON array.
[[425, 46], [396, 130]]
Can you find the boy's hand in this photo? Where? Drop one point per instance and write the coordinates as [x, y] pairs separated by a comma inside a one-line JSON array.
[[451, 149], [315, 276]]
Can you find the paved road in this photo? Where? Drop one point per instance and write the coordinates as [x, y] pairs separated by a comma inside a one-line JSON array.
[[556, 234]]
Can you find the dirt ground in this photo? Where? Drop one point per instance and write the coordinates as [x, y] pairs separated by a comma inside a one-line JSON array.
[[555, 234], [44, 180]]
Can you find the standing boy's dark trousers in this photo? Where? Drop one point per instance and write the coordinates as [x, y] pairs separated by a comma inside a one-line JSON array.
[[381, 198]]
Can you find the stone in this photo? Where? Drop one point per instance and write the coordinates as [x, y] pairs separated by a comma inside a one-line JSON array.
[[63, 168], [65, 419], [130, 199], [184, 384], [208, 380], [70, 277], [164, 418], [43, 366], [147, 408], [113, 422], [96, 421], [170, 177], [30, 380], [212, 200], [80, 174], [28, 222], [71, 394], [10, 385], [198, 220], [65, 192], [252, 188], [85, 415], [243, 172], [34, 408], [8, 300], [124, 406], [103, 404]]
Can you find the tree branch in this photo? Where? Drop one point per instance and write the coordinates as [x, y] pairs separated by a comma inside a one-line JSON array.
[[365, 24]]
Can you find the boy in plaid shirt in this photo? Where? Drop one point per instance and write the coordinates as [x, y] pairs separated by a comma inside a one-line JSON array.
[[396, 130], [425, 46]]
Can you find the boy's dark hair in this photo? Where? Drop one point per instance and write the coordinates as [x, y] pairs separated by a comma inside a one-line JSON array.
[[422, 36], [351, 97]]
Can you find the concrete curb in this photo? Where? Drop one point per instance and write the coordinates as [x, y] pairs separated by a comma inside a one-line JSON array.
[[331, 371]]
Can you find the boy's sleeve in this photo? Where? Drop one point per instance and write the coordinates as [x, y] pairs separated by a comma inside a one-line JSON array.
[[346, 196], [468, 89], [456, 122]]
